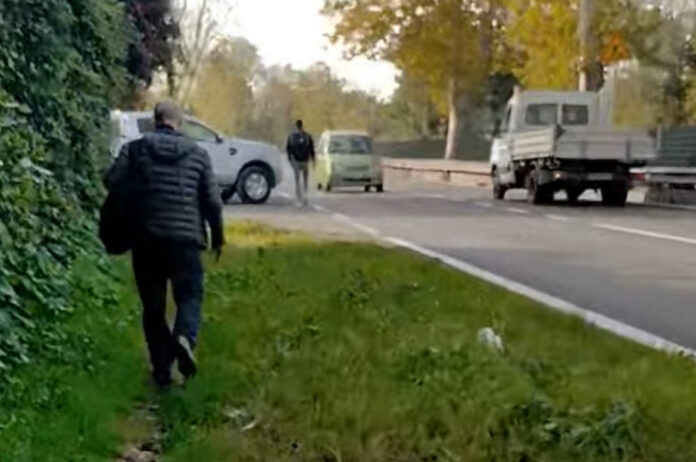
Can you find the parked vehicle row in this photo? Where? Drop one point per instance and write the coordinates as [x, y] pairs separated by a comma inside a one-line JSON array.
[[252, 169]]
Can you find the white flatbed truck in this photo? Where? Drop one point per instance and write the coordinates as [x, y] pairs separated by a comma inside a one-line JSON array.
[[554, 141]]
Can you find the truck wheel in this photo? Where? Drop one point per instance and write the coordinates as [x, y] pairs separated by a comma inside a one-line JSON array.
[[615, 195], [498, 189], [254, 185], [536, 193], [574, 194]]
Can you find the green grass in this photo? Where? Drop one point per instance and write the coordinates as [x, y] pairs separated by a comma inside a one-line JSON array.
[[71, 404], [352, 352], [321, 351]]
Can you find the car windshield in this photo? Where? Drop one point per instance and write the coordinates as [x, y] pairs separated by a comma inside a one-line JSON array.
[[350, 144], [542, 115]]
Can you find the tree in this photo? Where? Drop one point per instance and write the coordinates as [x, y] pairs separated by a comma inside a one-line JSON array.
[[201, 23], [545, 43], [224, 95], [453, 45], [411, 111], [153, 47]]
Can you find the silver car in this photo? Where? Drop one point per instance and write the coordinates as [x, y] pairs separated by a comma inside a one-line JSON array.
[[248, 168]]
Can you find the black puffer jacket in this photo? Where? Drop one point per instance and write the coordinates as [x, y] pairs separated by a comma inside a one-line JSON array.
[[176, 186]]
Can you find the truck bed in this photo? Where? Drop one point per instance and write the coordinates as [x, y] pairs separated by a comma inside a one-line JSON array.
[[628, 146]]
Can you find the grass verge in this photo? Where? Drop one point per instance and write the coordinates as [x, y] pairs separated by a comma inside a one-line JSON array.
[[323, 351]]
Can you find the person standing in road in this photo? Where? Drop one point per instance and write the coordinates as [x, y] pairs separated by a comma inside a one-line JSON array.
[[176, 195], [300, 148]]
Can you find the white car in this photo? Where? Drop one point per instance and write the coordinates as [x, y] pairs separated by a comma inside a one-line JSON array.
[[248, 168]]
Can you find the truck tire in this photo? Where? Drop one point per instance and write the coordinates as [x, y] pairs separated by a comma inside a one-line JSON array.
[[254, 185], [574, 194], [536, 193], [615, 195], [498, 189]]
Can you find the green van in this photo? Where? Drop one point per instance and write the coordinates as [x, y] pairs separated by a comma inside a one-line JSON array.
[[346, 158]]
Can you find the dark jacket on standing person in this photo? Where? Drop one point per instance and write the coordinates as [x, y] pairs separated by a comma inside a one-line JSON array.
[[300, 146], [177, 191]]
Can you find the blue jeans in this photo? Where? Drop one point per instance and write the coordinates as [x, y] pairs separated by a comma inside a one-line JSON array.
[[155, 263]]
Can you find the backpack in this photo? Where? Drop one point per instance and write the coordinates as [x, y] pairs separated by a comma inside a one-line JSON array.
[[119, 216], [301, 146]]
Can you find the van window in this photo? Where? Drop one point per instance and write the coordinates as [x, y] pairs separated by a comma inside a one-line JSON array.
[[350, 144], [576, 114], [541, 115]]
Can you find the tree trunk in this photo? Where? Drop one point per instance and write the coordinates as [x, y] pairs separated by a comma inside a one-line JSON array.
[[453, 127], [585, 13]]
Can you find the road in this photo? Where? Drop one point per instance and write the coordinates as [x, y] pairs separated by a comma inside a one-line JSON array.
[[635, 265]]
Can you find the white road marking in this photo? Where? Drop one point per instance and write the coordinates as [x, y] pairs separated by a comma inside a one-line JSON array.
[[320, 208], [644, 233], [517, 211], [557, 218], [590, 317], [432, 196], [487, 205], [359, 226]]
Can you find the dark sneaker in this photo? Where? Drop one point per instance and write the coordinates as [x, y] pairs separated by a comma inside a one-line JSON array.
[[184, 354], [162, 380]]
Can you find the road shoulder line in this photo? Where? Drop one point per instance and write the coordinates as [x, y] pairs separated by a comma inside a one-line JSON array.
[[644, 233], [590, 317]]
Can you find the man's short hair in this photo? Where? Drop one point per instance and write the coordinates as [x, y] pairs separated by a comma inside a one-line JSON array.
[[168, 111], [299, 123]]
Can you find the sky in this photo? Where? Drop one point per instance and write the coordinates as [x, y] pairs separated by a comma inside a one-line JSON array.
[[294, 32]]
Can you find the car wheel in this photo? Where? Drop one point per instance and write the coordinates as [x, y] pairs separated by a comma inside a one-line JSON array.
[[368, 189], [329, 187], [380, 188], [254, 185]]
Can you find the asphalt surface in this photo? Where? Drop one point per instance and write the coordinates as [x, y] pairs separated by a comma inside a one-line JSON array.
[[636, 264]]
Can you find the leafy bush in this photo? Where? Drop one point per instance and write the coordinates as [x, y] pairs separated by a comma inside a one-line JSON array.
[[61, 69]]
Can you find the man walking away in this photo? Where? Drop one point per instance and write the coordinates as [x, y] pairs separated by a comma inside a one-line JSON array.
[[177, 195], [300, 148]]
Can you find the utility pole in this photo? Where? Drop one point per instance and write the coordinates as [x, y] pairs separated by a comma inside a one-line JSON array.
[[586, 46]]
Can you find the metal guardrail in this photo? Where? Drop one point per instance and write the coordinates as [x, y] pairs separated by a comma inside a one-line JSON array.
[[452, 171]]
